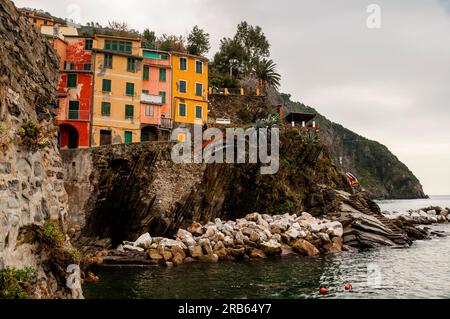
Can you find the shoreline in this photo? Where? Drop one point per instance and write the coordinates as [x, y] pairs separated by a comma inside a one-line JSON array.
[[290, 235]]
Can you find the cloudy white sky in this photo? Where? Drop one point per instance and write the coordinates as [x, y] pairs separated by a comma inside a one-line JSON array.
[[390, 84]]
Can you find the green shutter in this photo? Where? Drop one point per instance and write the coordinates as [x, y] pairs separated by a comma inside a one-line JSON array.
[[163, 95], [146, 72], [129, 111], [106, 109], [182, 109], [128, 137], [183, 64], [71, 80], [182, 86], [108, 61], [108, 45], [199, 67], [106, 85], [146, 91], [130, 89], [198, 89], [198, 112], [162, 75], [73, 110], [88, 44]]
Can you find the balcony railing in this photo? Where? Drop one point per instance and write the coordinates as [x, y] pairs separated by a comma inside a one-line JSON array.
[[74, 115], [151, 99], [165, 123], [72, 66]]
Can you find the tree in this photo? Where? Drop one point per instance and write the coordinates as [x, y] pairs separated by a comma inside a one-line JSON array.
[[198, 42], [171, 43], [265, 70], [248, 47], [254, 43], [149, 39], [118, 26]]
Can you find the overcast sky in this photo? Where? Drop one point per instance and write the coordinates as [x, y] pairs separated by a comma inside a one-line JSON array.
[[390, 84]]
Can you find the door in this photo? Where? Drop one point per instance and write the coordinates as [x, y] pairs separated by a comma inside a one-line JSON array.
[[105, 137], [128, 137], [73, 110]]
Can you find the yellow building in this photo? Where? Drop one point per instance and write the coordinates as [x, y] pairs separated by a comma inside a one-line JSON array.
[[189, 89], [117, 90]]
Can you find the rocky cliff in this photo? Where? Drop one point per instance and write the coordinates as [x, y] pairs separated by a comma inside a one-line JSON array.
[[380, 172], [32, 193]]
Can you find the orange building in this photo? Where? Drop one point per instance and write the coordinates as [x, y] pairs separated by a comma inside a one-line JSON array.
[[156, 96], [40, 18]]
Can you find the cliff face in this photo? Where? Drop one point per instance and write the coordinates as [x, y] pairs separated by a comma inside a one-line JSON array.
[[380, 172], [31, 182]]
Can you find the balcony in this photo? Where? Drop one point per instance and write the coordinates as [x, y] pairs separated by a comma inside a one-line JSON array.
[[165, 123], [151, 99], [74, 115]]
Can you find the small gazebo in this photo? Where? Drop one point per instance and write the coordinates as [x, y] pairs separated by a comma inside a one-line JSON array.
[[300, 119]]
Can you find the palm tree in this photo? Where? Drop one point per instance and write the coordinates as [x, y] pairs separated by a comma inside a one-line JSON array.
[[265, 70]]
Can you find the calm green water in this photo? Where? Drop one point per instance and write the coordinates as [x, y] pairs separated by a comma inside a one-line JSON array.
[[421, 271]]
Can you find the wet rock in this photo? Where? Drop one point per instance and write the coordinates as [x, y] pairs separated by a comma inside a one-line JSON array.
[[287, 250], [257, 254], [155, 255], [220, 250], [133, 248], [177, 260], [144, 241], [206, 246], [271, 247], [305, 248], [236, 252], [195, 251], [335, 246], [189, 260], [213, 258], [167, 255]]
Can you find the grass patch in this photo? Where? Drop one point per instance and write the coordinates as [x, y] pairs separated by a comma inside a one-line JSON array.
[[15, 283]]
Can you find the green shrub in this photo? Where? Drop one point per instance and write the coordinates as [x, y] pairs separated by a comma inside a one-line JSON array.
[[31, 135], [52, 234], [15, 283]]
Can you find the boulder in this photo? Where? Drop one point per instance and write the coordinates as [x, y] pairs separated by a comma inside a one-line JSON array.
[[254, 236], [276, 237], [228, 241], [133, 248], [220, 250], [177, 250], [236, 252], [213, 258], [196, 229], [195, 251], [189, 260], [169, 264], [144, 241], [167, 255], [324, 238], [335, 229], [283, 224], [206, 246], [168, 243], [257, 254], [305, 248], [177, 260], [287, 250], [186, 237], [253, 217], [155, 255], [271, 247], [335, 246]]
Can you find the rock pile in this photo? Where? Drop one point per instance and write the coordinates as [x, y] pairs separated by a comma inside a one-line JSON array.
[[255, 236], [425, 216]]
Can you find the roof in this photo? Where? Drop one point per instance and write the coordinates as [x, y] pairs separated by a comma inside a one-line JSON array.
[[138, 57], [189, 55], [117, 37], [299, 117]]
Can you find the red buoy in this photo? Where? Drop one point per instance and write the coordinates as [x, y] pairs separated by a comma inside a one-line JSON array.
[[348, 286], [324, 291]]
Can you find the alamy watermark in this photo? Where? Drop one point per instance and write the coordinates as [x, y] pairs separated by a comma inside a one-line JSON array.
[[374, 18], [215, 146]]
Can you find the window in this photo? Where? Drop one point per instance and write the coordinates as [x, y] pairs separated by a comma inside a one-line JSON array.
[[149, 110], [120, 46], [129, 111], [105, 137], [163, 97], [146, 72], [183, 64], [88, 44], [45, 22], [164, 57], [106, 109], [162, 75], [131, 65], [198, 112], [71, 80], [73, 110], [146, 91], [128, 137], [198, 89], [182, 86], [87, 66], [129, 89], [199, 67], [182, 109], [69, 66], [108, 61], [106, 85]]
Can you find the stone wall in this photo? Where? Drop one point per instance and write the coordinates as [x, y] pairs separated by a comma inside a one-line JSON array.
[[31, 178]]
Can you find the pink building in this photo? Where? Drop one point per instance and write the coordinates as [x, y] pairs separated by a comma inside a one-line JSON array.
[[156, 117]]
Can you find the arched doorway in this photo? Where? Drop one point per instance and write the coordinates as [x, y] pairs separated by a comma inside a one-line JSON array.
[[68, 136], [149, 134]]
